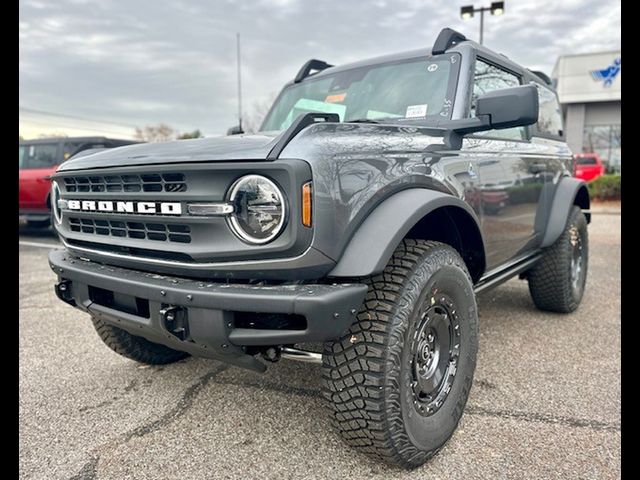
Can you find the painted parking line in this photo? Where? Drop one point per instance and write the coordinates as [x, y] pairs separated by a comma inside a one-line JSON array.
[[40, 244]]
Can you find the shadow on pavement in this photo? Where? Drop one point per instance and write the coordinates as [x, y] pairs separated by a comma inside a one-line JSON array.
[[36, 232]]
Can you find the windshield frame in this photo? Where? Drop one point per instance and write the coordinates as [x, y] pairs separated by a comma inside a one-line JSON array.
[[452, 86]]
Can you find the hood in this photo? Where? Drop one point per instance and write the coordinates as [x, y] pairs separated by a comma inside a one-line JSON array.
[[213, 149]]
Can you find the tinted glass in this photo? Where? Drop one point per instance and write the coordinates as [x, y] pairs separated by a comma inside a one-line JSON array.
[[488, 78], [38, 156], [606, 141], [23, 152], [586, 161], [418, 88], [550, 115]]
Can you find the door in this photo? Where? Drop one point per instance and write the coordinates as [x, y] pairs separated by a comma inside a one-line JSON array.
[[510, 181], [36, 163], [549, 144]]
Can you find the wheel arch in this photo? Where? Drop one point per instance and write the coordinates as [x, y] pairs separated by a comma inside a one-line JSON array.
[[414, 213], [569, 192]]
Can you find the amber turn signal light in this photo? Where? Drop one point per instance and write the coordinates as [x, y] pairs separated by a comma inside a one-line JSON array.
[[307, 191]]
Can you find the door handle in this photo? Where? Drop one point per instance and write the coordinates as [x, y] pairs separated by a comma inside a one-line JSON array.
[[537, 167]]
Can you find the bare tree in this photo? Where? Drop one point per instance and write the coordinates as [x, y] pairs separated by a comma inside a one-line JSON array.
[[53, 135], [156, 133], [259, 109]]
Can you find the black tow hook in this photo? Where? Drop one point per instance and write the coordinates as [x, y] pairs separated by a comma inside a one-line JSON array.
[[64, 293], [175, 321]]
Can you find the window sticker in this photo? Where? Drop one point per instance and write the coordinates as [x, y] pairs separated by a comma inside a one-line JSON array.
[[416, 111], [432, 68], [336, 98]]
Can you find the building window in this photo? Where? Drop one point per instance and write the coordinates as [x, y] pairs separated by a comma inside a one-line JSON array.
[[606, 141]]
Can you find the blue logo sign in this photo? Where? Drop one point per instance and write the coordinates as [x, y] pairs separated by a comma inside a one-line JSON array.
[[607, 75]]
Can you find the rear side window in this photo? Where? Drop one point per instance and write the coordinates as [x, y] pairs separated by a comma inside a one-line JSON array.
[[487, 78], [550, 115], [586, 161], [38, 156]]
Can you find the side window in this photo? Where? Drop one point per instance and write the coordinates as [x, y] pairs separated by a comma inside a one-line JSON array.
[[70, 149], [487, 78], [39, 156], [550, 116]]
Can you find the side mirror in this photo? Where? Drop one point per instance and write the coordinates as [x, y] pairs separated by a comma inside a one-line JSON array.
[[505, 108], [509, 107], [235, 130]]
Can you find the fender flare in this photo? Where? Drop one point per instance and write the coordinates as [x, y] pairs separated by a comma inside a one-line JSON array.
[[374, 242], [568, 190]]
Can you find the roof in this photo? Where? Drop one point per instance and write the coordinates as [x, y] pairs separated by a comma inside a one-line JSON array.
[[423, 52], [589, 77], [73, 139]]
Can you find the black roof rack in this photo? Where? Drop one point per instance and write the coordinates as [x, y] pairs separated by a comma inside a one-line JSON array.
[[312, 64], [447, 38], [543, 76]]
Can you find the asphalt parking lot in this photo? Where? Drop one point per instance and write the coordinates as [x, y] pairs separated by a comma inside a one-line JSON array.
[[545, 401]]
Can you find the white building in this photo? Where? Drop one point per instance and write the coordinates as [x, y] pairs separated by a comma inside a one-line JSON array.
[[589, 88]]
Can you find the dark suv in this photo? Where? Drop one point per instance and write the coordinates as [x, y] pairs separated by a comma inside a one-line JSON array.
[[376, 201]]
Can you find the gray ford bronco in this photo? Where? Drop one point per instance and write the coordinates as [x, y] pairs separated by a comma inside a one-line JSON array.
[[376, 201]]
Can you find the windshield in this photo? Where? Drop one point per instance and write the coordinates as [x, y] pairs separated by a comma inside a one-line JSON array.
[[409, 89]]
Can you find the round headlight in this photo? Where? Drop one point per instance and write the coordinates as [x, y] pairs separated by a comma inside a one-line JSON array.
[[259, 209], [55, 196]]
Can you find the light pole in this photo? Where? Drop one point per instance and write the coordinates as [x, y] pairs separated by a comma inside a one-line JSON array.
[[496, 8]]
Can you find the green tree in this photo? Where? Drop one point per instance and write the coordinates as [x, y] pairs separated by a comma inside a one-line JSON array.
[[188, 135]]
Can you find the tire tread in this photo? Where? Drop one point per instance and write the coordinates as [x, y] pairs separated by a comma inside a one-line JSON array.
[[134, 347]]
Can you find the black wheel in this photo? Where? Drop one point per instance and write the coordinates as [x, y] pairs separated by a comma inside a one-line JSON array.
[[398, 380], [135, 348], [38, 224], [557, 281]]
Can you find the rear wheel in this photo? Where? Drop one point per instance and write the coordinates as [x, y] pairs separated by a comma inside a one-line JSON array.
[[134, 347], [398, 380], [557, 281]]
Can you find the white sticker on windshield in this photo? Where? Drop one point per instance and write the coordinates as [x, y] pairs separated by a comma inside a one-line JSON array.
[[415, 111]]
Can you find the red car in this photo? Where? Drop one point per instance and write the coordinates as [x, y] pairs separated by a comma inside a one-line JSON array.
[[38, 160], [588, 166]]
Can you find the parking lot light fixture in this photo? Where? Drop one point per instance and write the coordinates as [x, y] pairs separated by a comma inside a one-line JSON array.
[[466, 12], [497, 8]]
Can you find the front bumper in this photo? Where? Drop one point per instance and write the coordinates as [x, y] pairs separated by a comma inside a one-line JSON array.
[[200, 317]]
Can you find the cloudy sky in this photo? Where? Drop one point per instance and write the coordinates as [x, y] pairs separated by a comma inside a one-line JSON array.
[[104, 67]]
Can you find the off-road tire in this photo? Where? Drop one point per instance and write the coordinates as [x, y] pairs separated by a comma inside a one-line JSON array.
[[550, 280], [134, 347], [367, 372], [38, 224]]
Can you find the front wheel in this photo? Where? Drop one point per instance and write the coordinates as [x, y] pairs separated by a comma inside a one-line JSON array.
[[135, 348], [398, 380]]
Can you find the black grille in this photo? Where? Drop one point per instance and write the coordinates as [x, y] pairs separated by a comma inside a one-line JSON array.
[[150, 231], [149, 182]]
